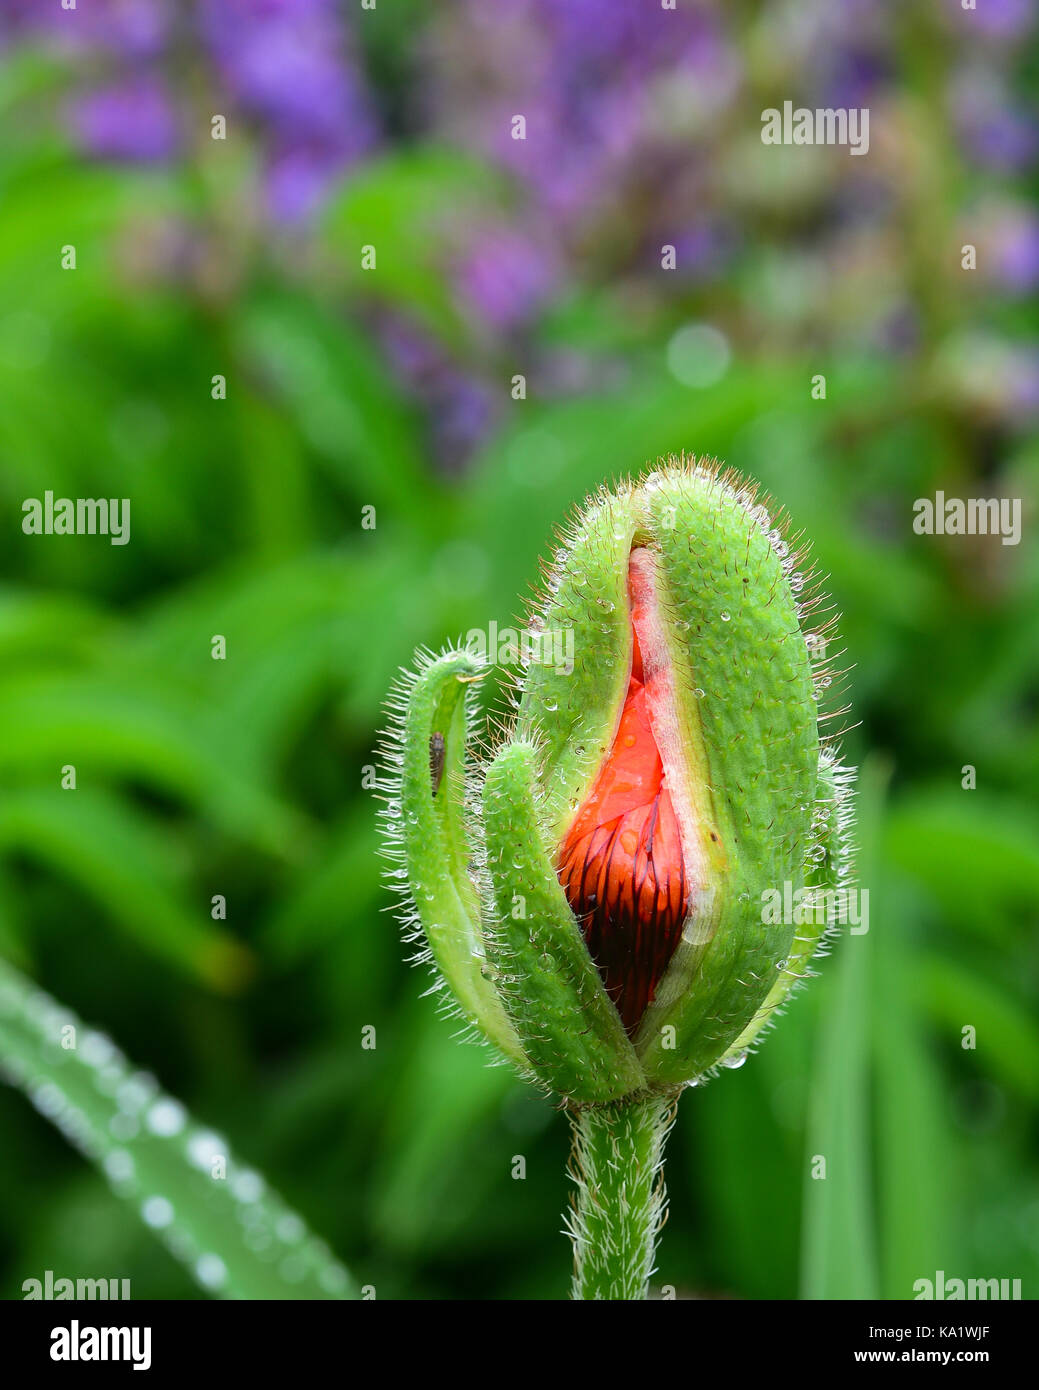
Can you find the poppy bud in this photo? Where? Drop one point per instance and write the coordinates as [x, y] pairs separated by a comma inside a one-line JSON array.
[[593, 895]]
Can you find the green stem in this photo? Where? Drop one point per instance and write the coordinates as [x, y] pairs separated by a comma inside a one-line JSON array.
[[618, 1209]]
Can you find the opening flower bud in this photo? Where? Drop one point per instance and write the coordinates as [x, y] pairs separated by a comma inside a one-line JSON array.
[[593, 895]]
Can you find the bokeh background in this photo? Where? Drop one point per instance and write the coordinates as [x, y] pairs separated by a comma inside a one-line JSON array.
[[391, 388]]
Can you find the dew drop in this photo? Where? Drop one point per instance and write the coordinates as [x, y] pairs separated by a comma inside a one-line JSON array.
[[109, 1078], [725, 615], [179, 1243], [135, 1093], [124, 1127], [166, 1118], [247, 1186], [204, 1147], [48, 1099], [96, 1050], [119, 1166], [210, 1271], [734, 1062], [290, 1228], [156, 1212]]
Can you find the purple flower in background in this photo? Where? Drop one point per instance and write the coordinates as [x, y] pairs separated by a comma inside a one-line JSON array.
[[701, 249], [131, 120], [854, 77], [1005, 140], [1015, 251], [414, 355], [462, 412], [587, 77], [461, 409], [1025, 394], [504, 276], [296, 180], [286, 63], [283, 62], [998, 19], [138, 28], [131, 28], [996, 133]]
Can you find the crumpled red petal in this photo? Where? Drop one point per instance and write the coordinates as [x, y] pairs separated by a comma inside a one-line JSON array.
[[621, 863]]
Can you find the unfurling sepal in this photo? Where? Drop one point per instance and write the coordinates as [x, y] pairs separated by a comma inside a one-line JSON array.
[[429, 835], [570, 1031]]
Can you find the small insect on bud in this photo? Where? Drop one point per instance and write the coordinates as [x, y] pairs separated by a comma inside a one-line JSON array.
[[436, 760], [645, 801]]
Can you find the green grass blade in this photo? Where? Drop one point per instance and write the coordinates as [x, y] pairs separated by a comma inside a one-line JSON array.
[[214, 1214], [917, 1214], [838, 1254]]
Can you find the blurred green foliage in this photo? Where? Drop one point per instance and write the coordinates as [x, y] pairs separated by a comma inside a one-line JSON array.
[[243, 777]]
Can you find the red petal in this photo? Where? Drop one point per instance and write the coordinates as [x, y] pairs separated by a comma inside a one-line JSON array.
[[621, 864]]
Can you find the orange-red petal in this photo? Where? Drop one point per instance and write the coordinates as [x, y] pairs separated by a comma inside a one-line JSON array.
[[621, 863]]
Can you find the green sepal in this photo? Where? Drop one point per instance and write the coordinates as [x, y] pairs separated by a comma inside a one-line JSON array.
[[744, 698], [827, 867], [436, 842], [573, 715], [569, 1028]]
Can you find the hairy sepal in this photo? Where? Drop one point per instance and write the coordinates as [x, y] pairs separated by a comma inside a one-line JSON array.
[[829, 868], [432, 834], [744, 694], [554, 995], [573, 715]]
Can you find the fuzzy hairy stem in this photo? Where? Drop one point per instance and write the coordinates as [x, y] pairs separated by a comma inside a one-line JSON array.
[[620, 1203]]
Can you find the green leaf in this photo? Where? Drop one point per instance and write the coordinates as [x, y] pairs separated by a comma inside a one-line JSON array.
[[126, 866], [978, 855], [137, 729], [957, 994], [342, 399], [213, 1213]]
